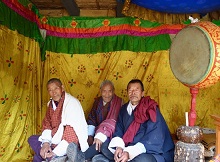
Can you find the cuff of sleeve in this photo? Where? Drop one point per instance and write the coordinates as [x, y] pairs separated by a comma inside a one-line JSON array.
[[101, 136], [91, 130], [45, 141], [135, 150], [46, 135], [60, 149], [116, 142]]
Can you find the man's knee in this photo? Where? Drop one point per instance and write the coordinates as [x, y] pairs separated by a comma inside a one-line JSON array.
[[144, 158], [31, 139], [107, 153], [34, 143]]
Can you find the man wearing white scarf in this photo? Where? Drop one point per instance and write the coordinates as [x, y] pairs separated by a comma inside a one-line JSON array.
[[64, 123]]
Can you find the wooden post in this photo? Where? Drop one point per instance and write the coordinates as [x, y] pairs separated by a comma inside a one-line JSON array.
[[217, 124], [192, 113]]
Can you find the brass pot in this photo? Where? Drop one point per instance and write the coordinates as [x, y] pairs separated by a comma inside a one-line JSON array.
[[189, 134]]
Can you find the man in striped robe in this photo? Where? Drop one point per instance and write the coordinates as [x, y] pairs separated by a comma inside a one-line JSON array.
[[101, 124]]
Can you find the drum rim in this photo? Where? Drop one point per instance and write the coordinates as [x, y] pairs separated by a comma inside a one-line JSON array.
[[211, 56]]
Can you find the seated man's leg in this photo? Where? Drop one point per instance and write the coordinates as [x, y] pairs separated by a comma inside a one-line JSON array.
[[76, 155], [100, 158], [144, 158], [91, 152], [105, 151], [36, 146]]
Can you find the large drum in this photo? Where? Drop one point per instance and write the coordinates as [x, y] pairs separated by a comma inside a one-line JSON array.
[[195, 55]]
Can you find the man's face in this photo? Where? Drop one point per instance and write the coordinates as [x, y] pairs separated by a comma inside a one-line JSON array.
[[135, 93], [55, 90], [107, 92]]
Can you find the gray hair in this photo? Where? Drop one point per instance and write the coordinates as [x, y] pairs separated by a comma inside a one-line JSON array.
[[54, 80], [107, 82]]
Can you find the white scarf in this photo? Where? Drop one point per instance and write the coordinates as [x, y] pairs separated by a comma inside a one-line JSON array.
[[74, 116]]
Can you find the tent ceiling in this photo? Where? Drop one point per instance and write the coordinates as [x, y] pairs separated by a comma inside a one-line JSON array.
[[168, 6], [180, 6], [73, 6], [48, 4]]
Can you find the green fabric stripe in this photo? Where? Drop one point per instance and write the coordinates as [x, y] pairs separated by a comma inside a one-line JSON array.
[[90, 22], [14, 21], [106, 44], [217, 22], [25, 3]]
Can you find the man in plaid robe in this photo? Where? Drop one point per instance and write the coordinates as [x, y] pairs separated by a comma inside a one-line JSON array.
[[64, 123]]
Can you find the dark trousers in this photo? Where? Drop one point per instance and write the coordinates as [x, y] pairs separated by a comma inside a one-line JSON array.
[[36, 146], [91, 151], [144, 158], [109, 155]]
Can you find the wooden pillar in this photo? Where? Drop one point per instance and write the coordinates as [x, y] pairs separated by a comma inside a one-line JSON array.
[[217, 124]]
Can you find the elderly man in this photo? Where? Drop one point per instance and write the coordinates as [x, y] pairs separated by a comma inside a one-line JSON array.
[[141, 133], [64, 123], [101, 124]]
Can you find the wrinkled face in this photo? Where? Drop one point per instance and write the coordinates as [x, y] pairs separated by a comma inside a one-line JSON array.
[[55, 90], [107, 92], [135, 93]]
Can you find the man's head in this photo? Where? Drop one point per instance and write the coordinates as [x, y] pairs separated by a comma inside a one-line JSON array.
[[135, 89], [55, 88], [107, 90]]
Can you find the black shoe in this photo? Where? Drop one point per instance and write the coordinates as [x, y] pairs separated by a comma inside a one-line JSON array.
[[74, 154], [59, 159]]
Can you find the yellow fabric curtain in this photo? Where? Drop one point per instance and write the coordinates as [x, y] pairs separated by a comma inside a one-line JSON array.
[[20, 84], [82, 75], [24, 95]]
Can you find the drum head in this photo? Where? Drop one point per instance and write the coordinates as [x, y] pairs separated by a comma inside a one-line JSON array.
[[190, 55]]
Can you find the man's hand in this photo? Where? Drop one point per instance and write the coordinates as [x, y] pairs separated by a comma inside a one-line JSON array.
[[90, 140], [98, 144], [45, 149], [50, 155], [124, 157], [120, 155]]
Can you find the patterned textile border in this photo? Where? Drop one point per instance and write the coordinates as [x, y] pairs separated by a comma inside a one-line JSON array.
[[15, 16], [84, 27], [79, 27], [84, 35]]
